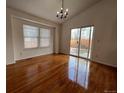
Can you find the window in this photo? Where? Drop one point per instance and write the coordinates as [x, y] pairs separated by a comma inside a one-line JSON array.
[[35, 37], [44, 37], [30, 36]]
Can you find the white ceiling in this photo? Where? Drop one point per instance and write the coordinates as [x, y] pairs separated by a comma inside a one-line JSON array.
[[47, 8]]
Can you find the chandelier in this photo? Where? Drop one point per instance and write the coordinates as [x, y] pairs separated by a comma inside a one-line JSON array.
[[63, 14]]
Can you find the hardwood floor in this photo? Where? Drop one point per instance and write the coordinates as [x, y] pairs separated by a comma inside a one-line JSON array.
[[60, 74]]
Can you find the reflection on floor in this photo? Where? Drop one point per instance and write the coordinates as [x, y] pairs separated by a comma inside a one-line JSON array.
[[60, 74], [79, 71]]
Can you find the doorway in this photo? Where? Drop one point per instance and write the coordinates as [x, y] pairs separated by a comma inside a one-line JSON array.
[[81, 41]]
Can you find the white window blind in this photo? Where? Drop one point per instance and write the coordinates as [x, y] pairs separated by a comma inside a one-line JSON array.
[[44, 37], [30, 36]]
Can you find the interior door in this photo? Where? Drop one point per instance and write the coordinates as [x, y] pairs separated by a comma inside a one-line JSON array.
[[74, 43]]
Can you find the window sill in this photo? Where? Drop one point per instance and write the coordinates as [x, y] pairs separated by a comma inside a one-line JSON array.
[[35, 48]]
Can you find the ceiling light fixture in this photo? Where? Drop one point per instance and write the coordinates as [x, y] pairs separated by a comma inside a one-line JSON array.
[[62, 14]]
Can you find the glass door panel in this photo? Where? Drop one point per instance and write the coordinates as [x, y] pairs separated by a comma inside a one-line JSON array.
[[85, 42], [74, 44], [91, 40]]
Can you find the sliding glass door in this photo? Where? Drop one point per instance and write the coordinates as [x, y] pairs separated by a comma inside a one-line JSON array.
[[74, 43], [81, 42]]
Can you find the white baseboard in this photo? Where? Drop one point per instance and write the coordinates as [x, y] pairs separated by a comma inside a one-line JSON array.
[[32, 56], [103, 62], [10, 63]]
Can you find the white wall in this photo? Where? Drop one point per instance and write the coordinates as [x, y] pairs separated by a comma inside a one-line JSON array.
[[9, 43], [15, 48], [103, 16]]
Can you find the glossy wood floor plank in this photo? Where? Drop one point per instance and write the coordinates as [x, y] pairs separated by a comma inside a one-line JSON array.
[[60, 74]]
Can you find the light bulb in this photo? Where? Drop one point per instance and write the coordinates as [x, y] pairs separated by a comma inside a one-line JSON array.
[[66, 10]]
